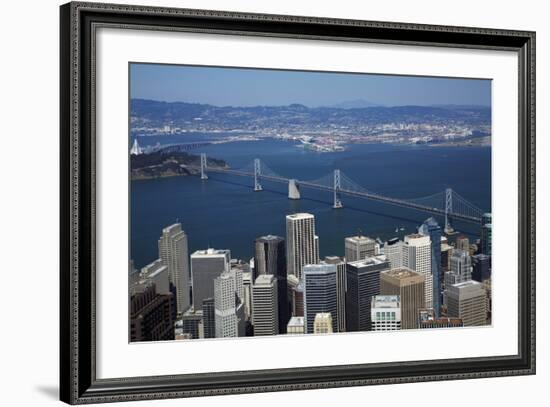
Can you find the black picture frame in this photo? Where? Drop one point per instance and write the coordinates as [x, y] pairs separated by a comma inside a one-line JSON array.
[[78, 382]]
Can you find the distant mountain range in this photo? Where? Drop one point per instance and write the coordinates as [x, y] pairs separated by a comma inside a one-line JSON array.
[[154, 113]]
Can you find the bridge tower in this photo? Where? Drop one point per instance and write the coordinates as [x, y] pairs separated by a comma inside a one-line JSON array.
[[336, 186], [448, 210], [203, 166], [257, 175]]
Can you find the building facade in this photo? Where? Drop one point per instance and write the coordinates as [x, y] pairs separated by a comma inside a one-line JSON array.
[[302, 245], [265, 316], [386, 313], [431, 228], [418, 257], [467, 301], [322, 323], [320, 293], [206, 266], [225, 306], [341, 288], [358, 248], [151, 314]]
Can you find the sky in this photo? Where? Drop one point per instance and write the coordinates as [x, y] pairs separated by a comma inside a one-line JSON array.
[[252, 87]]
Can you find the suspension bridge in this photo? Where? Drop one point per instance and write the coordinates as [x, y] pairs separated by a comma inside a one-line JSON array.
[[447, 203]]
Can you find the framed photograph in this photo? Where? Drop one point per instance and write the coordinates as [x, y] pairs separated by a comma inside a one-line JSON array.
[[255, 203]]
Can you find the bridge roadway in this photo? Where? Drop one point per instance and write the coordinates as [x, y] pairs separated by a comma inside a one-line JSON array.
[[359, 194]]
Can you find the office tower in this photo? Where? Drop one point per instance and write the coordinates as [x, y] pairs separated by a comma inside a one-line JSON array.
[[319, 293], [386, 313], [393, 250], [209, 318], [486, 238], [431, 229], [296, 325], [298, 300], [467, 301], [427, 319], [463, 243], [322, 323], [359, 247], [418, 257], [151, 314], [302, 245], [363, 283], [157, 272], [225, 309], [206, 265], [264, 305], [446, 253], [190, 323], [173, 252], [270, 258], [410, 287], [461, 268], [237, 272], [247, 293], [481, 267], [341, 288]]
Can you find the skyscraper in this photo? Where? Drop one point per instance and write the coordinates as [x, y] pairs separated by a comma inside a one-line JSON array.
[[467, 301], [225, 301], [209, 318], [341, 288], [463, 243], [461, 268], [265, 305], [486, 233], [173, 252], [320, 293], [393, 250], [157, 272], [302, 245], [358, 248], [431, 228], [386, 313], [322, 323], [206, 265], [481, 267], [151, 314], [418, 257], [270, 258], [363, 283], [410, 287]]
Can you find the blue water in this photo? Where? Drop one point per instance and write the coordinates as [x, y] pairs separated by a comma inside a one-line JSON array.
[[224, 212]]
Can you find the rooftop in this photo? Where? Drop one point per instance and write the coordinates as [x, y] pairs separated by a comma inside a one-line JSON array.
[[264, 279], [369, 261], [296, 321], [360, 238], [302, 215], [402, 273]]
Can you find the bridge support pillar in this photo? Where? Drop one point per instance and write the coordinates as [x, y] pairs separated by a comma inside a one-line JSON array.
[[448, 210], [336, 185], [293, 189], [257, 175], [203, 166]]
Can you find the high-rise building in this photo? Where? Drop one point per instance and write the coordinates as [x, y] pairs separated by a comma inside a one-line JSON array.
[[320, 293], [302, 245], [410, 287], [386, 313], [322, 323], [463, 243], [209, 318], [461, 268], [446, 253], [427, 319], [190, 323], [151, 314], [270, 258], [296, 325], [418, 257], [206, 265], [265, 316], [486, 233], [225, 306], [431, 228], [359, 247], [467, 301], [341, 288], [157, 272], [247, 293], [363, 283], [481, 267], [173, 252], [236, 271], [393, 250]]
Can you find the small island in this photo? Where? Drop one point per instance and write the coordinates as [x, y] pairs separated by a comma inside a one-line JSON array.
[[162, 164]]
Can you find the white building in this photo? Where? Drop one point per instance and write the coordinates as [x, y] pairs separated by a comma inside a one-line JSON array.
[[460, 268], [341, 288], [322, 323], [296, 325], [173, 252], [386, 313], [393, 250], [225, 309], [302, 245], [417, 256], [359, 248], [157, 272], [265, 309]]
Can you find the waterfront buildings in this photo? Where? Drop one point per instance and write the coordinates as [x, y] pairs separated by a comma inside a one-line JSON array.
[[151, 314], [418, 257], [302, 245], [207, 265], [265, 314], [320, 293], [467, 301], [341, 289], [172, 247], [431, 228], [359, 247], [322, 323], [386, 313], [363, 283], [410, 286], [270, 258]]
